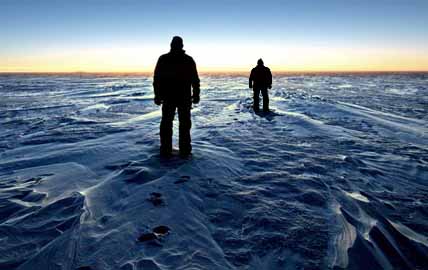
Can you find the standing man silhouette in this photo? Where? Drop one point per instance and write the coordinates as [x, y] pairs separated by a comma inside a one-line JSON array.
[[260, 81], [174, 77]]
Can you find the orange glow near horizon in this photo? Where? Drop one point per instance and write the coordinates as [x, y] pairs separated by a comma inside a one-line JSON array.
[[211, 58]]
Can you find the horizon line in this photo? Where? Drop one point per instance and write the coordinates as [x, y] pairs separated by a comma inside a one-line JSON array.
[[233, 71]]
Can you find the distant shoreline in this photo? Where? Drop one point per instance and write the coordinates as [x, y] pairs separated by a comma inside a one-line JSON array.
[[218, 73]]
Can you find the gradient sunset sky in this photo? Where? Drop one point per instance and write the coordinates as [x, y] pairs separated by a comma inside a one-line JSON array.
[[222, 35]]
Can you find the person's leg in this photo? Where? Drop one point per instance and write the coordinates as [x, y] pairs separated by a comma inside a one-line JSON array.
[[265, 100], [168, 112], [185, 124], [256, 99]]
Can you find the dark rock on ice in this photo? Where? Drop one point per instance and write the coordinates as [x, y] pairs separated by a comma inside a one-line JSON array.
[[157, 233], [161, 230], [147, 237], [84, 268]]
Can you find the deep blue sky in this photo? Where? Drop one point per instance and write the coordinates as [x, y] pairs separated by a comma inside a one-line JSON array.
[[53, 29]]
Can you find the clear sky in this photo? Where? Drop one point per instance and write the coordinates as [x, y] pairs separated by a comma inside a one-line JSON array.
[[290, 35]]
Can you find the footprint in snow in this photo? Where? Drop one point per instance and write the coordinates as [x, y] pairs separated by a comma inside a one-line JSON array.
[[182, 179], [156, 199]]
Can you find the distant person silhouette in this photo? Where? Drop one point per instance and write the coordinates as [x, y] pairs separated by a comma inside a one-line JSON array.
[[174, 77], [260, 81]]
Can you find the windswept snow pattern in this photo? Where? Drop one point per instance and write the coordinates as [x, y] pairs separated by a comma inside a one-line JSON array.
[[335, 177]]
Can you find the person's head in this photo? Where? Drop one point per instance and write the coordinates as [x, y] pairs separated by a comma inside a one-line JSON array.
[[260, 62], [176, 43]]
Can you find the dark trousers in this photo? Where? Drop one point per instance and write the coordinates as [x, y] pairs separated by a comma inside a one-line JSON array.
[[185, 123], [256, 92]]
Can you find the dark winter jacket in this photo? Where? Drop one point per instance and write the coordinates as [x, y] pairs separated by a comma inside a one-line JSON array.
[[260, 78], [175, 75]]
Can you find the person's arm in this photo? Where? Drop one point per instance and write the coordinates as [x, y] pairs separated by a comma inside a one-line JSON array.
[[156, 82], [195, 84], [270, 78], [250, 81]]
